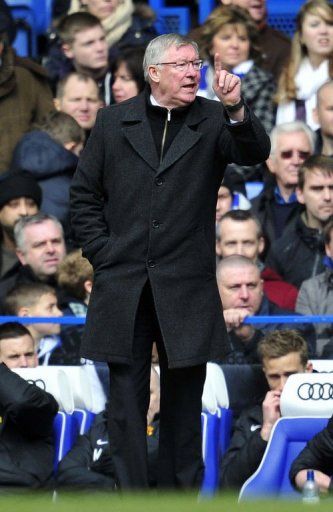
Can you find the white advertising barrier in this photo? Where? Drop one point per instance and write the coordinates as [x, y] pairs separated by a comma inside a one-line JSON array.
[[215, 393], [308, 394], [323, 365], [86, 387], [53, 380]]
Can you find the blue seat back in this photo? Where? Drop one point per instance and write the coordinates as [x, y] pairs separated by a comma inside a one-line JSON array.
[[288, 438], [63, 436]]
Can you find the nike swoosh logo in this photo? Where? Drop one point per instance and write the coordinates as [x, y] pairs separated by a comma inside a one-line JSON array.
[[254, 427], [100, 442]]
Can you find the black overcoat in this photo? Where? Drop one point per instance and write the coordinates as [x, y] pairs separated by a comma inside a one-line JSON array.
[[137, 219]]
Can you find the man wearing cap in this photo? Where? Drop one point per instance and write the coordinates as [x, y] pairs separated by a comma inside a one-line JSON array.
[[20, 195]]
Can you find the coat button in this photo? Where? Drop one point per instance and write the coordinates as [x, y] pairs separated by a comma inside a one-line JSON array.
[[155, 224], [159, 181], [151, 263]]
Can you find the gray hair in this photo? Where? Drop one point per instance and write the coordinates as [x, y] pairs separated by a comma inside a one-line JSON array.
[[157, 47], [30, 220], [292, 127]]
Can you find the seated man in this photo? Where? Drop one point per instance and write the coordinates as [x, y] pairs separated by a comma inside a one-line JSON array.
[[297, 255], [317, 455], [316, 297], [240, 233], [282, 353], [89, 463], [37, 299], [40, 247], [27, 414], [241, 292], [323, 116]]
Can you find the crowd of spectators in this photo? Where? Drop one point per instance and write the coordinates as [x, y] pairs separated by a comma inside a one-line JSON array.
[[274, 251]]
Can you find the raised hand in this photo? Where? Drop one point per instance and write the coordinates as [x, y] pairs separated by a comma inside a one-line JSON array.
[[227, 86]]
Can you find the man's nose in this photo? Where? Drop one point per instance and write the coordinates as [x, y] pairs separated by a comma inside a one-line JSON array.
[[327, 194], [244, 292], [23, 362]]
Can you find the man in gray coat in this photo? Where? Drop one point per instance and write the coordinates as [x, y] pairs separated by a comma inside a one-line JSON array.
[[143, 209]]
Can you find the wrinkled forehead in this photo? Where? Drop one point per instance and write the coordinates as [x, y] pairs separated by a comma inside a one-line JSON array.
[[176, 53], [238, 276]]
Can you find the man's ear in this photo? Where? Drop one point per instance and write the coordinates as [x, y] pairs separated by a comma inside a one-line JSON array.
[[23, 311], [300, 195], [271, 164], [20, 256], [56, 103], [261, 245], [315, 115], [67, 50], [154, 73], [309, 367]]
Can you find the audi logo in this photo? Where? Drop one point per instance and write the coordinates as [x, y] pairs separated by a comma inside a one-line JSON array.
[[315, 391], [38, 382]]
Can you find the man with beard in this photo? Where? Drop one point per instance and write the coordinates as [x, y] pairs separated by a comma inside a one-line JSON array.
[[20, 195]]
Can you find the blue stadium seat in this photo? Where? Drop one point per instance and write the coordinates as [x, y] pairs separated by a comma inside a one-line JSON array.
[[226, 420], [82, 421], [210, 451], [282, 14], [288, 438], [33, 18], [63, 436], [173, 19]]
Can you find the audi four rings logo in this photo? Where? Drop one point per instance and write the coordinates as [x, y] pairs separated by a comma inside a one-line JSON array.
[[315, 391], [38, 382]]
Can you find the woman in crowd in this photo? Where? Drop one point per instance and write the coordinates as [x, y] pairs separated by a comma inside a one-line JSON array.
[[310, 63], [127, 74], [231, 32]]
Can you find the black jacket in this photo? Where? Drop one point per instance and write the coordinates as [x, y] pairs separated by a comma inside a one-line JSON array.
[[89, 463], [26, 439], [298, 254], [261, 206], [318, 454], [245, 451], [140, 219]]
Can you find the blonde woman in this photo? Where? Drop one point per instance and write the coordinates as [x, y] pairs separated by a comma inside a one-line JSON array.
[[310, 64]]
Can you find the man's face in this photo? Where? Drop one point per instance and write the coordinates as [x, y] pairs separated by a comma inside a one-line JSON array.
[[224, 202], [47, 305], [44, 248], [241, 287], [89, 49], [278, 369], [175, 88], [324, 111], [240, 237], [81, 101], [291, 151], [317, 196], [12, 211], [18, 352], [256, 8]]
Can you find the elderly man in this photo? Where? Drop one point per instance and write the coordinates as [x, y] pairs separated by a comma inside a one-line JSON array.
[[276, 206], [143, 209], [40, 248]]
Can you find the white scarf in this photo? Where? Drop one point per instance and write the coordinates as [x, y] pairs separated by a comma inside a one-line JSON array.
[[114, 25], [308, 80]]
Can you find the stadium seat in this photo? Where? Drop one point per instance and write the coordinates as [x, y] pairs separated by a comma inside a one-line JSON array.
[[205, 7], [288, 438], [307, 394], [282, 15], [82, 421], [210, 451], [63, 436]]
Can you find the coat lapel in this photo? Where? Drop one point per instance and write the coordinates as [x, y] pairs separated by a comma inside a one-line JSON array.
[[136, 129]]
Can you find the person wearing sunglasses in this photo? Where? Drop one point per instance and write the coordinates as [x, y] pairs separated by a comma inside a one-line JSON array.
[[299, 253], [276, 206]]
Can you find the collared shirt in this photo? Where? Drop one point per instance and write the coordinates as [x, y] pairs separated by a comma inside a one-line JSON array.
[[280, 200]]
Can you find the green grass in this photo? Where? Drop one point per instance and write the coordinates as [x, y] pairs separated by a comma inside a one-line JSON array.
[[152, 502]]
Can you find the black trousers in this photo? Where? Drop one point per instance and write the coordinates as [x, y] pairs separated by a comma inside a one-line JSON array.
[[180, 455]]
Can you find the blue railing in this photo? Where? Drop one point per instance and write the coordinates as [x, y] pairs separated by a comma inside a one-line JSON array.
[[74, 320]]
